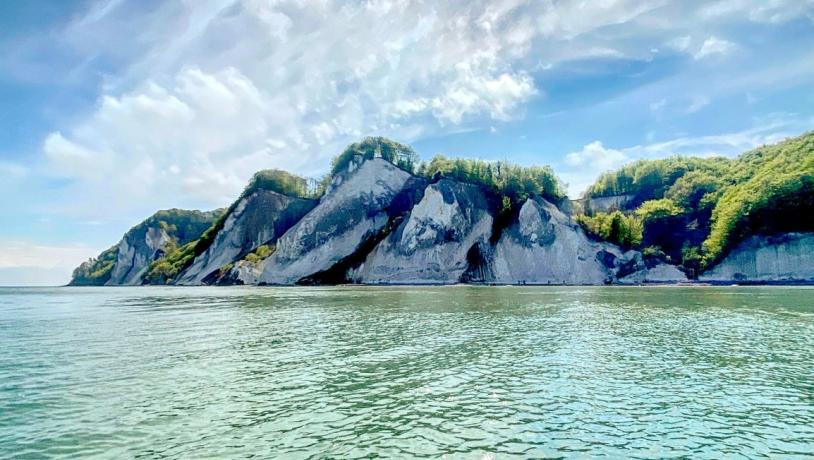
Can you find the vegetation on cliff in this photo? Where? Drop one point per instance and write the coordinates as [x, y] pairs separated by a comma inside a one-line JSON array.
[[513, 182], [504, 179], [685, 210], [400, 155], [178, 257], [695, 210], [181, 225], [96, 270]]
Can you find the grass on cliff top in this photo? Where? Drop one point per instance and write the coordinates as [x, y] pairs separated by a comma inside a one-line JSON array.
[[503, 178]]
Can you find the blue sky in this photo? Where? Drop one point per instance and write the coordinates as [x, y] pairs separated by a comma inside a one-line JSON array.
[[113, 109]]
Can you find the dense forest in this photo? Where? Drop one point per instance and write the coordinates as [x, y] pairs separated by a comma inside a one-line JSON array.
[[692, 211]]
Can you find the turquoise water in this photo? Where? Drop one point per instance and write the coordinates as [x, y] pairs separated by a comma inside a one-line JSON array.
[[461, 372]]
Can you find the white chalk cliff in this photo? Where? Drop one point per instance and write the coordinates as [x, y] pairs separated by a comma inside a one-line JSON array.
[[782, 258], [378, 224]]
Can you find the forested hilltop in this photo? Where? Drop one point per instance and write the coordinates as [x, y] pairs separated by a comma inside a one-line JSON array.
[[381, 215], [692, 211]]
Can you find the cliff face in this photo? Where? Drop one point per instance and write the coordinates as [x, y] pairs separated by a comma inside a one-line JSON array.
[[659, 273], [354, 212], [784, 258], [378, 224], [126, 263], [431, 245], [260, 218], [136, 252], [544, 246]]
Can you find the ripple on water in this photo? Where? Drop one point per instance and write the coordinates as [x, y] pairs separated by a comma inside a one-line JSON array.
[[466, 372]]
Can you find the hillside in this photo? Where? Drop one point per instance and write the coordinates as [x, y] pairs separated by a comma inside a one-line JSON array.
[[693, 211], [156, 235]]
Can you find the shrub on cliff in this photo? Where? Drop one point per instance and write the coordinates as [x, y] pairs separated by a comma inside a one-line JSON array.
[[515, 182], [616, 227], [400, 155], [95, 271]]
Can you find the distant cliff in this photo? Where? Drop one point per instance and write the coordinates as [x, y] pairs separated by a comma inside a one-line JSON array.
[[381, 217], [126, 262]]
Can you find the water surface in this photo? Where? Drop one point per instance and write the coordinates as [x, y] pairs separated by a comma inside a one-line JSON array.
[[461, 372]]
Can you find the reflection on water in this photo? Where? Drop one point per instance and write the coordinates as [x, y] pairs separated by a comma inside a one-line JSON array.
[[402, 372]]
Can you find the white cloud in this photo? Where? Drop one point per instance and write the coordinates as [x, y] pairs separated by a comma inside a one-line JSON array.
[[27, 263], [771, 11], [582, 167], [27, 254], [200, 137], [214, 90], [713, 46]]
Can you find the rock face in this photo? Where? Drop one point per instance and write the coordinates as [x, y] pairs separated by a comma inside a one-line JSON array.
[[661, 274], [145, 242], [431, 245], [761, 259], [260, 218], [136, 251], [545, 247], [356, 208]]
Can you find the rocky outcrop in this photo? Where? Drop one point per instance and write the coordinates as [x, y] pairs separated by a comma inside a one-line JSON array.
[[136, 252], [143, 244], [660, 273], [354, 213], [433, 243], [761, 259], [259, 218], [544, 246]]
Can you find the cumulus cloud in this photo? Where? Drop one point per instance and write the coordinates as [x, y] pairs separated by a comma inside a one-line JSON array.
[[214, 90], [201, 136], [582, 167]]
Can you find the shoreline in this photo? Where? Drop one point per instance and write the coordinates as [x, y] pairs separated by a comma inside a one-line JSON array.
[[654, 284]]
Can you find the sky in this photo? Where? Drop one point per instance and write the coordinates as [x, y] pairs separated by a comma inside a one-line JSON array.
[[113, 109]]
